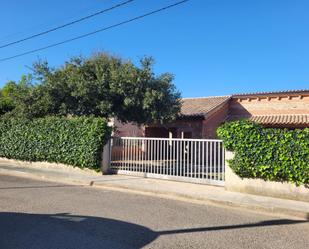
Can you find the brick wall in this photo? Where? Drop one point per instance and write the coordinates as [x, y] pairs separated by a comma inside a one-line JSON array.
[[127, 129], [192, 127], [269, 105], [211, 124]]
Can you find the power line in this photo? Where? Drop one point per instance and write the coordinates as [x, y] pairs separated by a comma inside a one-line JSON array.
[[37, 26], [67, 24], [95, 32]]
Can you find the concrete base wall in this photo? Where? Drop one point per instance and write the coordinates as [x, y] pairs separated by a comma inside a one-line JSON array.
[[260, 187], [50, 167], [106, 158]]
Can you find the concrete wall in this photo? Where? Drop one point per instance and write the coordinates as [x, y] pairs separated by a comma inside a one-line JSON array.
[[260, 187]]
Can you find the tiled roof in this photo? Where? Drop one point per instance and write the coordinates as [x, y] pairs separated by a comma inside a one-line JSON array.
[[302, 91], [283, 119], [201, 106]]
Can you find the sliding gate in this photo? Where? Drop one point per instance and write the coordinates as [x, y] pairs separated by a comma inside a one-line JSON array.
[[190, 160]]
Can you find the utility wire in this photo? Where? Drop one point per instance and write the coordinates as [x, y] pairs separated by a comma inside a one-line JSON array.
[[67, 24], [38, 26], [94, 32]]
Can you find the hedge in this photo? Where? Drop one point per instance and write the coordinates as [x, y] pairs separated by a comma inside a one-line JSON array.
[[74, 141], [267, 153]]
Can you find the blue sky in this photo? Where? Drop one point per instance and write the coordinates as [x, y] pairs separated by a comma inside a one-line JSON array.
[[213, 47]]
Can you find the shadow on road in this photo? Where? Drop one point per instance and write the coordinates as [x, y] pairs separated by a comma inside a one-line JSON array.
[[36, 231]]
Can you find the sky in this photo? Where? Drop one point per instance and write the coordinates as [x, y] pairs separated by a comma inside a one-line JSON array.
[[213, 47]]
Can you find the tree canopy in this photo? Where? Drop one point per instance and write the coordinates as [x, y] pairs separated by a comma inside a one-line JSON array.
[[101, 85]]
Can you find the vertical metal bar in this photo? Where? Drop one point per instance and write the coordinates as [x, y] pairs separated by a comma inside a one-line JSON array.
[[178, 158], [211, 162], [119, 148], [136, 142], [207, 160], [136, 163], [184, 158], [114, 152], [203, 160], [191, 163], [146, 156], [215, 160], [151, 156], [128, 154], [124, 154], [171, 158], [195, 163], [219, 162], [165, 171], [174, 157], [186, 164], [223, 161], [199, 160], [167, 159], [141, 154], [162, 157], [181, 153], [154, 149], [131, 154], [115, 146], [157, 156], [138, 155], [140, 149]]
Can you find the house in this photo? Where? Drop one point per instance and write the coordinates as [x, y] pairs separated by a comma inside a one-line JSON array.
[[200, 117]]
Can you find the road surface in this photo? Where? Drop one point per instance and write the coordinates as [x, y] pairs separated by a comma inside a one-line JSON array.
[[45, 215]]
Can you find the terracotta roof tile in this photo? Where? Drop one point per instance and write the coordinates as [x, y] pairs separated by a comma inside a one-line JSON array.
[[201, 106], [284, 119], [301, 91]]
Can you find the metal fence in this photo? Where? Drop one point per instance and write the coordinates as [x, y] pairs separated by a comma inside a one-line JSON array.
[[191, 160]]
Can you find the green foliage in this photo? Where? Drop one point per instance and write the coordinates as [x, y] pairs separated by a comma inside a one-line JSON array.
[[103, 86], [13, 96], [267, 153], [74, 141]]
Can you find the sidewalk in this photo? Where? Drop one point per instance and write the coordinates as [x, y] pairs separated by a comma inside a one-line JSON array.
[[162, 188]]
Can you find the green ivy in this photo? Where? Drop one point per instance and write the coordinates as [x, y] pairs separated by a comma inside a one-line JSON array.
[[267, 153], [74, 141]]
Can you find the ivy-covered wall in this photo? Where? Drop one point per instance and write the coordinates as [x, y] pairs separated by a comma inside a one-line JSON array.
[[75, 141], [267, 153]]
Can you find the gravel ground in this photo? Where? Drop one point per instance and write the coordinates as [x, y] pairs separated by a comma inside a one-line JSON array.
[[38, 214]]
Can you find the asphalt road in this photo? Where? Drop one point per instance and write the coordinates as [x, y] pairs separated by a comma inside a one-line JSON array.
[[45, 215]]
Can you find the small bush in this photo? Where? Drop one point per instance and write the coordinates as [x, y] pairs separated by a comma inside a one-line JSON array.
[[267, 153], [75, 141]]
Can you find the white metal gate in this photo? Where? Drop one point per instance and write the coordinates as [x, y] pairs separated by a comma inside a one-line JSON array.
[[190, 160]]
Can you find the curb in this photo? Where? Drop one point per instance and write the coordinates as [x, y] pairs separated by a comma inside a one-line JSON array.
[[277, 211], [304, 215]]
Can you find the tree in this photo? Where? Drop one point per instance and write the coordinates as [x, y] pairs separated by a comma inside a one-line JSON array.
[[14, 96], [102, 85], [6, 101]]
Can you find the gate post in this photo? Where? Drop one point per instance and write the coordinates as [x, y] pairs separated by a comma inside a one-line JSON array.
[[106, 158], [230, 177]]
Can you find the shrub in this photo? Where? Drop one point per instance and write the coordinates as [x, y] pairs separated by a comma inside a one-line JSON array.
[[75, 141], [267, 153]]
